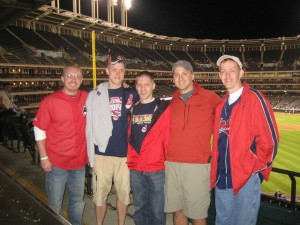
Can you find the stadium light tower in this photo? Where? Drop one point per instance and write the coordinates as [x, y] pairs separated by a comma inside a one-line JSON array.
[[125, 6], [110, 10], [95, 9]]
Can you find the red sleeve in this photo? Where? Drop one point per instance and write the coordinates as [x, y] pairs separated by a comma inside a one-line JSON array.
[[42, 119]]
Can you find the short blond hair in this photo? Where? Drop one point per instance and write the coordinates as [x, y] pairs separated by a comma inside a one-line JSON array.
[[72, 66]]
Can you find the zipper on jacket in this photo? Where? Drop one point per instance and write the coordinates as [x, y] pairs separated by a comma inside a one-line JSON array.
[[217, 180], [186, 111], [226, 166]]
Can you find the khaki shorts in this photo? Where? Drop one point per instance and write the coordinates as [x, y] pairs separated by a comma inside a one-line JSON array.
[[108, 169], [187, 188]]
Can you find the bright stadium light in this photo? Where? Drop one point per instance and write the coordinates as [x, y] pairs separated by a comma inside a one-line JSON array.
[[127, 4]]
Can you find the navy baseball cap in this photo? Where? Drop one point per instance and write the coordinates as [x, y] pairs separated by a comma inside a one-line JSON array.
[[113, 59]]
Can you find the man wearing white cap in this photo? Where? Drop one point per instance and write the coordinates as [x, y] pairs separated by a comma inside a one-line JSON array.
[[244, 146]]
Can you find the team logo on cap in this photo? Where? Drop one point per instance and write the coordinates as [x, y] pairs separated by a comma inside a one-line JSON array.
[[113, 59]]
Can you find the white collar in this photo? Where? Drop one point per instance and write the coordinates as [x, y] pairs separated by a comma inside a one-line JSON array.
[[234, 96]]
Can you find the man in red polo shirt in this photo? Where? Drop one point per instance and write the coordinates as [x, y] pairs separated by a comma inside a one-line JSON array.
[[59, 132]]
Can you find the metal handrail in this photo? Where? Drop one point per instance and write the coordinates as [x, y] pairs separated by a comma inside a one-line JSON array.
[[292, 175]]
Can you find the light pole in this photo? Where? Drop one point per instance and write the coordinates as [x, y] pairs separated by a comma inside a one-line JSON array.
[[110, 10], [95, 9], [125, 6]]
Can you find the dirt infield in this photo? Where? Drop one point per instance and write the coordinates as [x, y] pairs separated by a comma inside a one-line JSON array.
[[288, 127]]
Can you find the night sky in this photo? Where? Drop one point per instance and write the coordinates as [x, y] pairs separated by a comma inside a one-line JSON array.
[[210, 19]]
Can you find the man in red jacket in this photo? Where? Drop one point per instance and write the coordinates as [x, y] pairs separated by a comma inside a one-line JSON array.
[[148, 143], [245, 144], [187, 191]]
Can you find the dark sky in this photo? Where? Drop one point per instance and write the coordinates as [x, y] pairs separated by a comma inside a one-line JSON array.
[[212, 19]]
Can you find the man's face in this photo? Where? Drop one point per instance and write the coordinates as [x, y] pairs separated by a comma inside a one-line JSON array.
[[230, 75], [145, 86], [72, 79], [116, 74], [183, 79]]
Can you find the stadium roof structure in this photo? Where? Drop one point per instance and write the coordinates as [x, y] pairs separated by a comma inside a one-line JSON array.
[[59, 19], [12, 10]]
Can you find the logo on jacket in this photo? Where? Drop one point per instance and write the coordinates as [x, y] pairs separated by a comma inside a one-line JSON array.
[[224, 126], [97, 91], [84, 110]]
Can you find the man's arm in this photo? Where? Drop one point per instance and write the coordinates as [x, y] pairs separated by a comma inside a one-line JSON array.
[[40, 137], [5, 101], [267, 137]]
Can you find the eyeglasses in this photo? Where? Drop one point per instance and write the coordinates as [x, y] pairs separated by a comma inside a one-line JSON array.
[[181, 75], [73, 76]]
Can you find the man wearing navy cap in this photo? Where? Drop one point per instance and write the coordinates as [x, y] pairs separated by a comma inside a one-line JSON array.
[[108, 108]]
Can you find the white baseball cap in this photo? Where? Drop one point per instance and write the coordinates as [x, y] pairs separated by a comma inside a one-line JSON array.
[[236, 59]]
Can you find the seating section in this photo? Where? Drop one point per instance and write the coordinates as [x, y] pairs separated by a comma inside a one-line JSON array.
[[290, 60], [17, 133], [253, 60], [21, 45]]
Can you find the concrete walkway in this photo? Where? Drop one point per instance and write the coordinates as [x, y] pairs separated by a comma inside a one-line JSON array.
[[20, 165]]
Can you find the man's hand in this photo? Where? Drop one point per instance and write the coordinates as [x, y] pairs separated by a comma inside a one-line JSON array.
[[46, 165], [126, 85]]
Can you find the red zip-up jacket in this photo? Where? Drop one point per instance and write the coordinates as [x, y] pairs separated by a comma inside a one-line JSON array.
[[252, 126], [192, 126], [155, 144]]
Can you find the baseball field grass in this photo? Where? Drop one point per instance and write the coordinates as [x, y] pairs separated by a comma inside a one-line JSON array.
[[288, 155]]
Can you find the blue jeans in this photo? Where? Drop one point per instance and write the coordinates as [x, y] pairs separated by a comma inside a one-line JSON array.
[[148, 197], [241, 208], [56, 181]]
